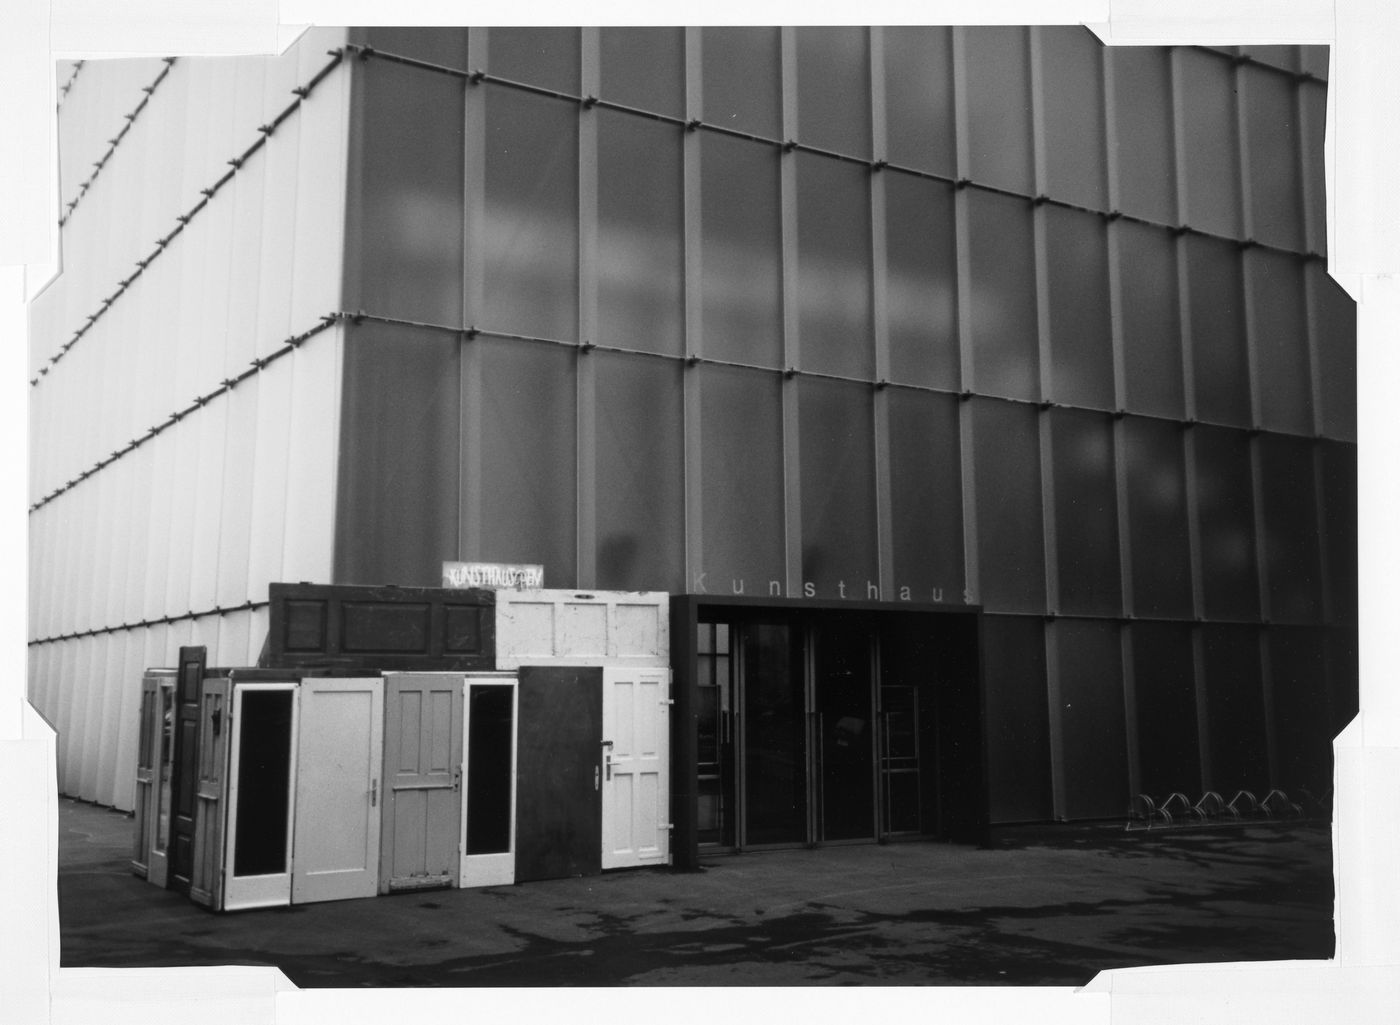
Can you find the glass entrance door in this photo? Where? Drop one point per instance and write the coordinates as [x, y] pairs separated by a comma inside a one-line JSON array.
[[843, 711], [785, 733]]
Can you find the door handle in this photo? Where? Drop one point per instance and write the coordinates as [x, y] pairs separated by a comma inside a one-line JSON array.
[[373, 793], [607, 758]]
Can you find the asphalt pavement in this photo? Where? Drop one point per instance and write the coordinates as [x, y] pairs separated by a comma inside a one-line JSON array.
[[1049, 906]]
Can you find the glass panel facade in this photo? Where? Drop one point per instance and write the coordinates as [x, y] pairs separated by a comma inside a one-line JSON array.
[[643, 68], [741, 480], [1010, 535], [925, 496], [921, 288], [838, 488], [640, 505], [1225, 510], [759, 266], [1339, 512], [547, 57], [1275, 158], [1334, 315], [1158, 535], [1071, 63], [529, 244], [1086, 513], [1017, 719], [1081, 346], [742, 79], [641, 246], [833, 83], [1206, 85], [998, 82], [741, 289], [1280, 325], [1298, 686], [920, 129], [1164, 695], [833, 267], [1095, 744], [405, 195], [1142, 91], [1218, 353], [1291, 558], [1005, 351], [1152, 364], [1239, 757], [528, 454], [398, 474]]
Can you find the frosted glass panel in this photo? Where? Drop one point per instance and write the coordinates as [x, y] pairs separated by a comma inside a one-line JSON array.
[[405, 216], [1152, 357], [530, 236], [919, 98], [1225, 507], [1221, 364], [641, 250], [1072, 77], [528, 456], [741, 232], [1235, 703], [1153, 461], [644, 68], [833, 88], [640, 474], [921, 288], [741, 480], [833, 267], [997, 73], [1086, 513], [1005, 354], [1142, 90], [1277, 289], [1291, 553], [1206, 84], [1275, 158], [1010, 534], [1091, 718], [1017, 719], [1081, 349], [837, 444], [926, 495], [1164, 693], [399, 463], [742, 78], [546, 57]]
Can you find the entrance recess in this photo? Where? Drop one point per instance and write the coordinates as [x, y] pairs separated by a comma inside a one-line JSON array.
[[825, 723]]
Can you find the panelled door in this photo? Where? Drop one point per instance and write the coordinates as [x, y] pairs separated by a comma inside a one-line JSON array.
[[147, 770], [206, 878], [158, 849], [340, 748], [422, 791], [636, 779], [184, 781]]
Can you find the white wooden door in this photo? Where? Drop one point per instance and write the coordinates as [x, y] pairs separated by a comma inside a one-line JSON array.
[[340, 745], [636, 763]]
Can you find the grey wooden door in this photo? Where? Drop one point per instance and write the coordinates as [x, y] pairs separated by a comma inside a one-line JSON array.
[[420, 835]]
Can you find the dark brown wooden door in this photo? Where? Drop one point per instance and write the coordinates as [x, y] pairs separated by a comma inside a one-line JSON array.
[[559, 802], [184, 785]]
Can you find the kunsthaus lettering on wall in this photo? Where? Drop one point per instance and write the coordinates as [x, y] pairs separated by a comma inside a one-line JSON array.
[[739, 586]]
